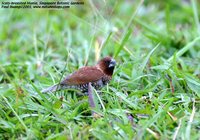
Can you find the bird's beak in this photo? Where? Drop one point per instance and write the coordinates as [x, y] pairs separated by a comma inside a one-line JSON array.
[[112, 63]]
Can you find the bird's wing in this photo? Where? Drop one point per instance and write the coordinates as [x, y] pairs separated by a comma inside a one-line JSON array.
[[83, 76]]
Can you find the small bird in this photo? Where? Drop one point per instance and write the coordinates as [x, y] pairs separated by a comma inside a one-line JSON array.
[[98, 76], [87, 77]]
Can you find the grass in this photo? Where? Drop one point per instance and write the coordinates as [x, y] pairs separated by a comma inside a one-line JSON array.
[[156, 82]]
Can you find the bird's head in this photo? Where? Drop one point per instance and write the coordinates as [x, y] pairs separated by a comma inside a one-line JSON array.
[[107, 65]]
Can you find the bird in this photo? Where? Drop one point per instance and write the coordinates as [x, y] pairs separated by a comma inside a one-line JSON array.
[[87, 77], [97, 76]]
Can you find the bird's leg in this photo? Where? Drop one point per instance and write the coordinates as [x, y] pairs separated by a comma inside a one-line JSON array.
[[91, 100], [90, 97]]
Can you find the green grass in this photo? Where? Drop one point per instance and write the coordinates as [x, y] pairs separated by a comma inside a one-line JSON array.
[[157, 79]]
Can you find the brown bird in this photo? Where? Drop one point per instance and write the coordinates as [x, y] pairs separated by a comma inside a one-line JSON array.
[[98, 76], [87, 77]]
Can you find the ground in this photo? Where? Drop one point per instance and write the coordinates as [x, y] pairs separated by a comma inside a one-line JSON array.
[[155, 90]]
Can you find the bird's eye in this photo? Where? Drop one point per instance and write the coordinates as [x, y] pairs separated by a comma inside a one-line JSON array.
[[107, 62]]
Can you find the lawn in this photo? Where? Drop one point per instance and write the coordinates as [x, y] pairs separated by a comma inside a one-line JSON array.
[[155, 90]]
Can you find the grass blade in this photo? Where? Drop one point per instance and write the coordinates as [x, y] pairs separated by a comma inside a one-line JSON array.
[[185, 48], [125, 39], [146, 59]]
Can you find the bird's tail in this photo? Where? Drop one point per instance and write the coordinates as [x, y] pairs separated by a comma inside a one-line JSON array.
[[51, 88]]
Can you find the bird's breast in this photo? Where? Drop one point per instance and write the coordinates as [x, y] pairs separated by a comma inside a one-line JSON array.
[[96, 84]]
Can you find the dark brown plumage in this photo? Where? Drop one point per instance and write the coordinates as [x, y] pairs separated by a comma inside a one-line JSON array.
[[98, 75]]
